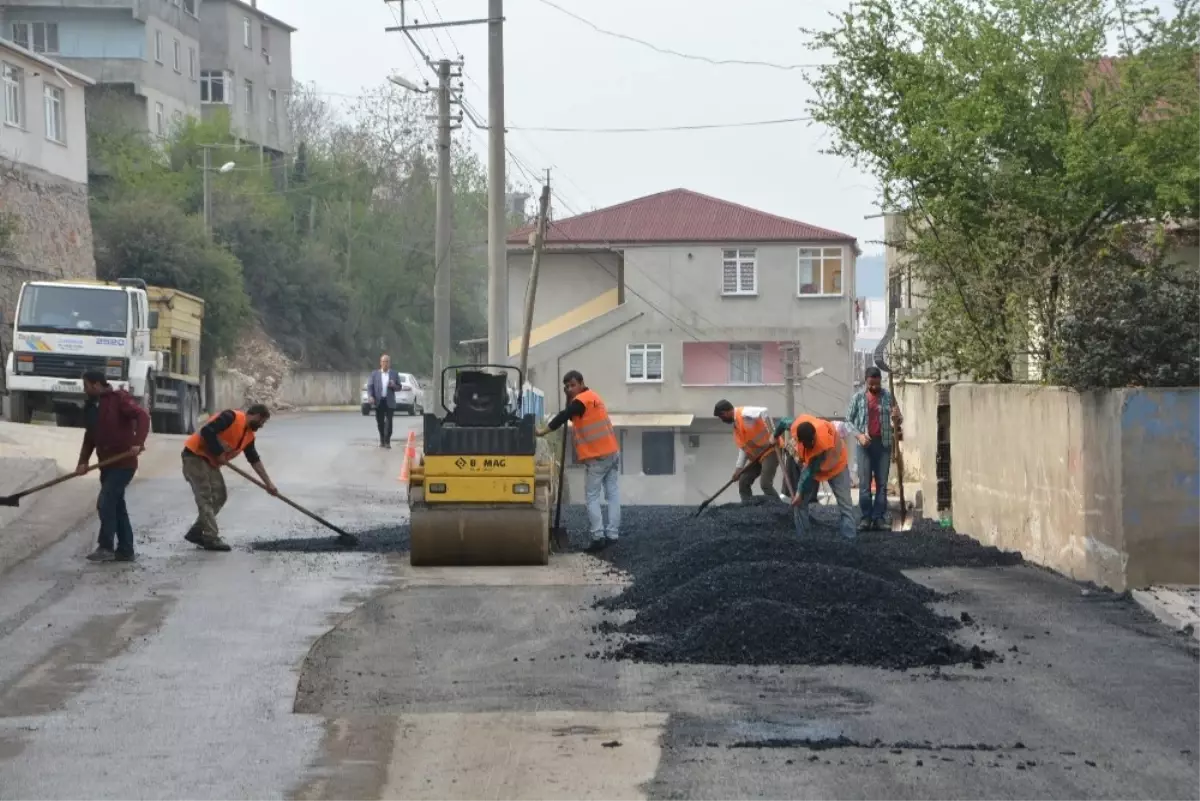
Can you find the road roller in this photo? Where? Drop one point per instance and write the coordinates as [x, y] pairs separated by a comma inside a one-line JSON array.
[[480, 493]]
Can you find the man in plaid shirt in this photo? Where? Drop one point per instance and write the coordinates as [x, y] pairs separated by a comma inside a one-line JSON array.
[[871, 414]]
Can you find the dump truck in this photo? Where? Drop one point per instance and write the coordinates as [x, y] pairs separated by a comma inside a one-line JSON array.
[[145, 339], [483, 489]]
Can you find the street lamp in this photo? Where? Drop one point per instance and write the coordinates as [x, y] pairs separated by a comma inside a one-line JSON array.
[[206, 169], [404, 83]]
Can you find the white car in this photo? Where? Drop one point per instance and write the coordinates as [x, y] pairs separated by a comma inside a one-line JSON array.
[[410, 397]]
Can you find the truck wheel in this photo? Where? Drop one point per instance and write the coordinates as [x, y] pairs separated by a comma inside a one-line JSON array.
[[69, 419], [18, 408]]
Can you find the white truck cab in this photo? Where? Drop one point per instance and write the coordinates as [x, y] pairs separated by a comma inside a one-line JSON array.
[[63, 328]]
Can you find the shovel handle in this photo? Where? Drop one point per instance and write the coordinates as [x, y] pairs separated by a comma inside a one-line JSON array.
[[729, 483], [54, 482], [291, 503]]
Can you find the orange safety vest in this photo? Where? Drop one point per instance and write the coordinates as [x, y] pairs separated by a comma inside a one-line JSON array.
[[594, 435], [827, 439], [236, 438], [751, 436]]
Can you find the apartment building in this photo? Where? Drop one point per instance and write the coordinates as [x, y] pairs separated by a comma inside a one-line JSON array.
[[143, 53], [46, 231], [246, 73], [671, 302]]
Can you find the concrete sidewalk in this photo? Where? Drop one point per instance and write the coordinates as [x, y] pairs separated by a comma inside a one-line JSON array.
[[1175, 605]]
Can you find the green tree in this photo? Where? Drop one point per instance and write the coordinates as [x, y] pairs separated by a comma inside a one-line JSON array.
[[1020, 152]]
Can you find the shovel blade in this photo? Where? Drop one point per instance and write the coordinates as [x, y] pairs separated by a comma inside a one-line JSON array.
[[559, 538], [346, 539], [10, 500]]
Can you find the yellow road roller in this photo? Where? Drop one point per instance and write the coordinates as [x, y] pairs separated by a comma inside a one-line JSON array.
[[480, 493]]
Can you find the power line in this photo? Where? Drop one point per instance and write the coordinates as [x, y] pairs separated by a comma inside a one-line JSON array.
[[654, 129], [669, 52]]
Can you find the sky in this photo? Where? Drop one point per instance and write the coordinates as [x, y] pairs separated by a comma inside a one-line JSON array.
[[560, 73]]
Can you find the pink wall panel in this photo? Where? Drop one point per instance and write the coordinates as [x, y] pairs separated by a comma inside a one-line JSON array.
[[708, 363]]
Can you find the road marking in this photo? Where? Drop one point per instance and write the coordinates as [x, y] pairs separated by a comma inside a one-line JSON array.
[[524, 755]]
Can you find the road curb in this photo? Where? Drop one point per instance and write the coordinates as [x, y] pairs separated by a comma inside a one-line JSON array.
[[1176, 606]]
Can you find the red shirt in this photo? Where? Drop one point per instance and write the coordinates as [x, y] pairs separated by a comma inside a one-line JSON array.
[[114, 423], [874, 428]]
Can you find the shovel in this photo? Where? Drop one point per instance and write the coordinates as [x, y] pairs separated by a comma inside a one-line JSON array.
[[15, 500], [729, 483], [558, 534], [344, 537]]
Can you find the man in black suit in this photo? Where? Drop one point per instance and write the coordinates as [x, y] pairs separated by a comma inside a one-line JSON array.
[[382, 391]]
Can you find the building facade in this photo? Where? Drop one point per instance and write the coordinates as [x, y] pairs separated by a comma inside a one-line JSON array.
[[145, 52], [45, 230], [672, 302], [246, 73]]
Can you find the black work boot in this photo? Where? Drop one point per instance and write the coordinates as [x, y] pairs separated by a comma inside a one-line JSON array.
[[194, 536], [214, 544], [101, 555], [596, 545]]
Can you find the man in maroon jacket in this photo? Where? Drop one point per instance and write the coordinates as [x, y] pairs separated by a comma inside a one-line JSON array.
[[115, 424]]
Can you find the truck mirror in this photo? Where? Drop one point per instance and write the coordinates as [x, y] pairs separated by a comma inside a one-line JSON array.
[[154, 319]]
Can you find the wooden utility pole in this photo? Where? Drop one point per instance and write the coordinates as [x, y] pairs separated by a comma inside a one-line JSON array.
[[539, 239]]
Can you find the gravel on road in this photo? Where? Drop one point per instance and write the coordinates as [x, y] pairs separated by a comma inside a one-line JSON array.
[[736, 586]]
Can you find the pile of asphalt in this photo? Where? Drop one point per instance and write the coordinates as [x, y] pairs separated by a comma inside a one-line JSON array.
[[736, 586]]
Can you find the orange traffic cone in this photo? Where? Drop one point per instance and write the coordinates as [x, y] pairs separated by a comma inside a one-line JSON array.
[[410, 453]]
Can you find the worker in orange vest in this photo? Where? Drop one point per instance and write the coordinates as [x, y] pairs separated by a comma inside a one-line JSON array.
[[757, 457], [597, 449], [817, 452], [204, 454]]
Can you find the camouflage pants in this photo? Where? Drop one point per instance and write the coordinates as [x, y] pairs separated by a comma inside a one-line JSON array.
[[208, 488]]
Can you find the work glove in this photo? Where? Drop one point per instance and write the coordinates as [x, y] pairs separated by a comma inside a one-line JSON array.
[[782, 426]]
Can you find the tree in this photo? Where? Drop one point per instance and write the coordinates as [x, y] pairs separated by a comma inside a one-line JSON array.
[[159, 243], [1020, 151]]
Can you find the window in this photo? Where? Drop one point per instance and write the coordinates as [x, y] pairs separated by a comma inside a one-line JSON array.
[[644, 363], [272, 105], [246, 31], [40, 37], [745, 363], [216, 87], [248, 88], [658, 453], [54, 104], [158, 46], [192, 63], [739, 272], [819, 271], [160, 119], [178, 62], [177, 120], [264, 40], [190, 7], [14, 95]]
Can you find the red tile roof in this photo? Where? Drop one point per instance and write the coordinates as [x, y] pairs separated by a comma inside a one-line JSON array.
[[678, 215]]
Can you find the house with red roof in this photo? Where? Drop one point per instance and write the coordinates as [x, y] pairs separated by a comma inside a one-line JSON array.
[[671, 302]]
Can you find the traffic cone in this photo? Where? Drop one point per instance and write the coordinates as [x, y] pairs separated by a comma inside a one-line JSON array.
[[410, 453]]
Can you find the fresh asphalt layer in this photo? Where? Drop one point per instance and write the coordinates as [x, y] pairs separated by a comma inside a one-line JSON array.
[[291, 668]]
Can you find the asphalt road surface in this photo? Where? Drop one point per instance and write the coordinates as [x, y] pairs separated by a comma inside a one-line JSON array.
[[272, 672]]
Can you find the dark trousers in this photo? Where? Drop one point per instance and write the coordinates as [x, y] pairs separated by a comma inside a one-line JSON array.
[[764, 472], [383, 421], [874, 461], [114, 516]]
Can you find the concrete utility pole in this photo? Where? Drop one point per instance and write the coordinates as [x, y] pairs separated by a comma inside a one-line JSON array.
[[539, 239], [441, 276], [497, 215], [207, 198], [791, 356]]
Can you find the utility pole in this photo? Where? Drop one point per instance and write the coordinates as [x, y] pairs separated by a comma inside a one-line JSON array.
[[206, 169], [539, 239], [497, 213], [791, 357], [441, 276]]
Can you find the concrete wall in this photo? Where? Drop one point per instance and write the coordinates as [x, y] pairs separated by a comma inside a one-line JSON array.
[[1100, 486], [672, 297], [300, 389], [918, 404]]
